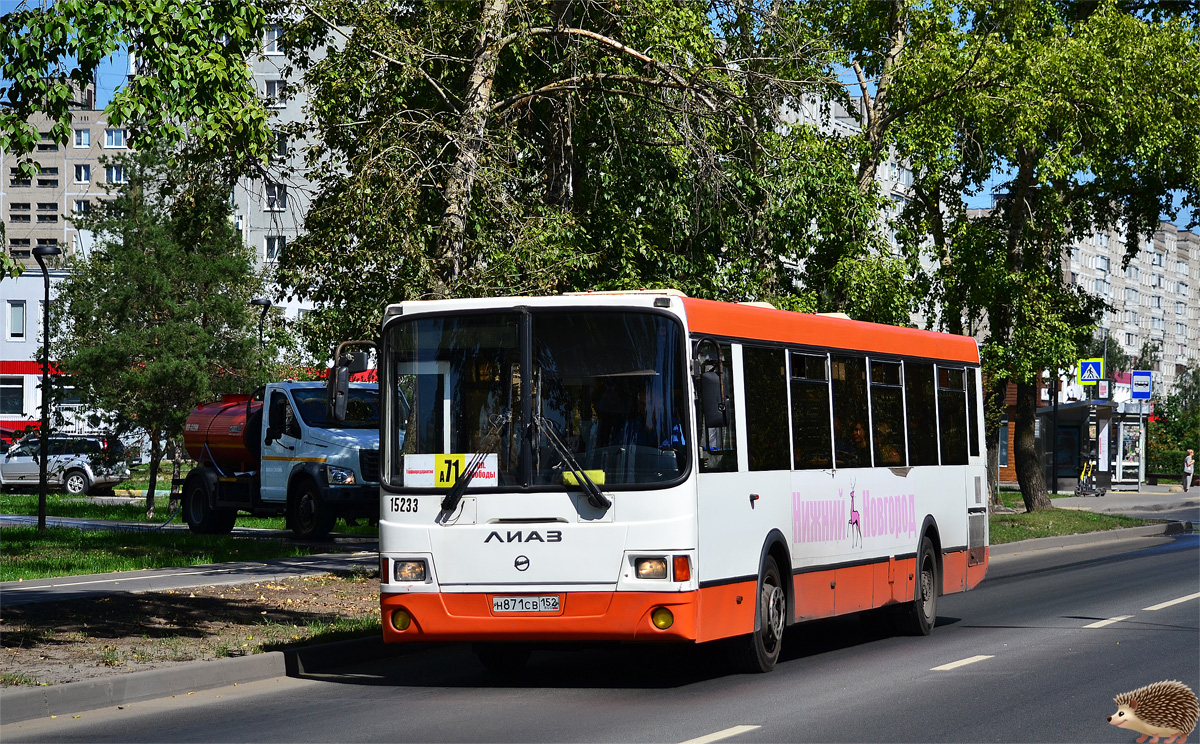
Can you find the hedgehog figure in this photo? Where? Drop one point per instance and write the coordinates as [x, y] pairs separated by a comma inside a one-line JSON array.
[[1165, 709]]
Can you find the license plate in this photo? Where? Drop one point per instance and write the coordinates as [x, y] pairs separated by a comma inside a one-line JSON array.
[[525, 604]]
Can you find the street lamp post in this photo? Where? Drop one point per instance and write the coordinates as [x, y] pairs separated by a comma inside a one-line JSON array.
[[40, 252]]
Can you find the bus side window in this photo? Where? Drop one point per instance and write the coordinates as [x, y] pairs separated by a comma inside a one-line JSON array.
[[952, 415], [972, 412], [922, 413], [766, 408], [887, 413], [812, 440], [851, 432], [717, 444]]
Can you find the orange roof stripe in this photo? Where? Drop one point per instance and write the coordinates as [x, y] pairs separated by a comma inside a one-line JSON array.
[[781, 326]]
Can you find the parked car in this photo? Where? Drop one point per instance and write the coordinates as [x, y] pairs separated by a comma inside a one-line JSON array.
[[80, 464]]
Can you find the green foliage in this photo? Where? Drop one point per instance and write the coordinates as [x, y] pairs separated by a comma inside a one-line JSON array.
[[641, 145], [1176, 424], [157, 317]]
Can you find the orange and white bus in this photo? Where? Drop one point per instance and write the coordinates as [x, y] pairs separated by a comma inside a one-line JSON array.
[[645, 466]]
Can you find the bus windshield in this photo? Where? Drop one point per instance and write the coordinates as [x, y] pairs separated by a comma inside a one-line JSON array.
[[536, 394]]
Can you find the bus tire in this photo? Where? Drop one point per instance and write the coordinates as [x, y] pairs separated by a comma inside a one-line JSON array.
[[758, 651], [919, 616], [311, 517], [502, 658]]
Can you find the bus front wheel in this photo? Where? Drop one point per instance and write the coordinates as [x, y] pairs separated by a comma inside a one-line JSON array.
[[919, 617], [759, 651]]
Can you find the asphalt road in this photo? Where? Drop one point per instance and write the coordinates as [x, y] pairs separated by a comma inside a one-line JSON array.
[[1036, 653]]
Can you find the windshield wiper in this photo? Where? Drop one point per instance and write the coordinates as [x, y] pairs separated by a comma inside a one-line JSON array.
[[595, 496], [485, 448]]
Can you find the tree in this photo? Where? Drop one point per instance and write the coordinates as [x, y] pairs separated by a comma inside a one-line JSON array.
[[157, 317], [514, 147], [1082, 138], [192, 84]]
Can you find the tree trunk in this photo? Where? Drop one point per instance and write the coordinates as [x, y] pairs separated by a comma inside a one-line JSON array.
[[877, 110], [156, 454], [176, 470], [1030, 470], [469, 145]]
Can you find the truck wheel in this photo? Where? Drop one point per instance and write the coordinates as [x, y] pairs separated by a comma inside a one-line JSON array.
[[311, 517], [758, 651], [201, 518], [76, 482], [919, 617]]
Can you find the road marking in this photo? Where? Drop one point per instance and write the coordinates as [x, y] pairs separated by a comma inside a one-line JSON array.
[[719, 735], [959, 663], [1181, 600], [117, 581], [1110, 621]]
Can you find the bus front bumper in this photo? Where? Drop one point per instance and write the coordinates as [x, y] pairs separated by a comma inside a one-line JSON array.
[[581, 616]]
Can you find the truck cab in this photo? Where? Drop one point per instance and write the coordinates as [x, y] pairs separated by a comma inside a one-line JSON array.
[[277, 453]]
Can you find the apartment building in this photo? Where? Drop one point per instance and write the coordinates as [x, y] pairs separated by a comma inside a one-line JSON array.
[[1155, 299], [37, 209]]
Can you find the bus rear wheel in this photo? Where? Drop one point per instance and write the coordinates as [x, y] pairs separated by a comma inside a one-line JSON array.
[[919, 617], [759, 651]]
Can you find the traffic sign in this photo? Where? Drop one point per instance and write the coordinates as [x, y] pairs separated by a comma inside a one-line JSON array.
[[1091, 371], [1141, 385]]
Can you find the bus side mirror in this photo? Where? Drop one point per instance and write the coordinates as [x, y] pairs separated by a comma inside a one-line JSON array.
[[338, 386], [712, 403]]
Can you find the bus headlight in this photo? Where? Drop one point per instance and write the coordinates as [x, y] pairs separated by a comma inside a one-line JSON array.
[[650, 568], [336, 476], [410, 571]]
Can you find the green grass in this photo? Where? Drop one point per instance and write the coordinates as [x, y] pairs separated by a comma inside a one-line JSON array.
[[68, 552], [61, 505], [320, 631], [1006, 528]]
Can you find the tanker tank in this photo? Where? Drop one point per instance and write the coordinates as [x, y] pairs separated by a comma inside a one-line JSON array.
[[225, 434]]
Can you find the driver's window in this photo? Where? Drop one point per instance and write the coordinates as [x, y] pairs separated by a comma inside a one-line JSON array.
[[282, 413]]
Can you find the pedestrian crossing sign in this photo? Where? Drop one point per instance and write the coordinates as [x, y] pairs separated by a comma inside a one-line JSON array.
[[1091, 371]]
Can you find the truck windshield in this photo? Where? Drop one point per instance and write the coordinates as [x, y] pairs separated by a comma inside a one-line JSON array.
[[610, 384], [362, 408]]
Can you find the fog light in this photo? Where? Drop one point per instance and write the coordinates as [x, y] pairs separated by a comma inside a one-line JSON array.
[[410, 571], [651, 568], [662, 618], [401, 619]]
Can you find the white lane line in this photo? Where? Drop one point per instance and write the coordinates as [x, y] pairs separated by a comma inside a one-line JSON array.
[[1181, 600], [1110, 621], [959, 663], [719, 735]]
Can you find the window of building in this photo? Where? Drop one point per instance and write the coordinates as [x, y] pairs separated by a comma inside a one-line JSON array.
[[47, 241], [18, 218], [273, 40], [48, 178], [46, 219], [1180, 308], [83, 172], [276, 197], [1131, 339], [1183, 289], [48, 144], [1131, 272], [1131, 295], [1131, 317], [1181, 329], [1156, 302], [114, 137], [281, 146], [83, 138], [17, 178], [12, 395], [766, 409], [1156, 323], [82, 206], [274, 247], [276, 90], [1156, 259], [15, 315], [1102, 263], [114, 174], [812, 439], [1102, 287]]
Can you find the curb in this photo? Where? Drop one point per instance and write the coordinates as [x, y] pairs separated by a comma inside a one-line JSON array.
[[1089, 538], [23, 704]]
